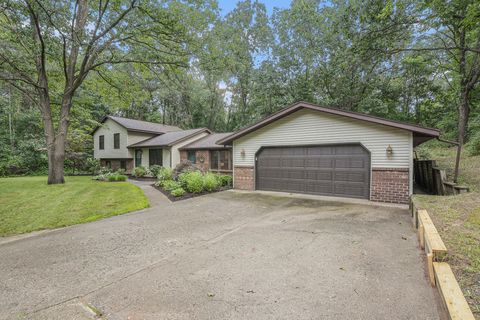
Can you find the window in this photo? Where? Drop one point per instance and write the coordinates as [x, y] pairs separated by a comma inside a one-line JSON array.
[[123, 164], [221, 160], [101, 142], [191, 156], [108, 164], [155, 157], [138, 157], [116, 141]]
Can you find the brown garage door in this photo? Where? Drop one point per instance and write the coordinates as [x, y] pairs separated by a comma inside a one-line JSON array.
[[334, 170]]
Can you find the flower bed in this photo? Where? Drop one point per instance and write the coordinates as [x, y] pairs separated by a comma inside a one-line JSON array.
[[184, 185]]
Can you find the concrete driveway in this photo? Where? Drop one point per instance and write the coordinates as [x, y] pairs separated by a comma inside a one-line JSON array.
[[227, 255]]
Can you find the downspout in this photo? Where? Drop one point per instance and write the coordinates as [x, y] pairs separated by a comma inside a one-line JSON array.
[[457, 159]]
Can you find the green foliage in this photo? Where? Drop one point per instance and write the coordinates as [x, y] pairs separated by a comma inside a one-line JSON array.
[[164, 174], [155, 169], [192, 181], [177, 192], [170, 185], [473, 146], [225, 180], [139, 172], [116, 177], [93, 165], [211, 182]]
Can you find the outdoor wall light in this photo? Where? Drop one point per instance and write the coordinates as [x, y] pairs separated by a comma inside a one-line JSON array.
[[389, 151], [242, 153]]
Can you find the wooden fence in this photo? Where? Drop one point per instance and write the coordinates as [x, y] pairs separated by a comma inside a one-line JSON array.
[[434, 180]]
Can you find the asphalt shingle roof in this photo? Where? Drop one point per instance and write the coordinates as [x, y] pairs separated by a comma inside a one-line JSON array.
[[208, 142], [169, 138], [144, 126]]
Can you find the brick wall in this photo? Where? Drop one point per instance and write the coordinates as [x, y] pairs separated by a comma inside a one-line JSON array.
[[390, 185], [115, 164], [183, 155], [243, 178], [199, 154]]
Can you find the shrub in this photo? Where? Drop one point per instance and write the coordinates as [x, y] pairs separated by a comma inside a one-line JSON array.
[[192, 181], [211, 182], [183, 167], [165, 174], [170, 185], [139, 171], [155, 169], [116, 177], [225, 180], [104, 170], [473, 146], [177, 192], [121, 172], [93, 165]]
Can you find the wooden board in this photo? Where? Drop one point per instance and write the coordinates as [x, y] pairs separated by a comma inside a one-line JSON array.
[[451, 293], [432, 239]]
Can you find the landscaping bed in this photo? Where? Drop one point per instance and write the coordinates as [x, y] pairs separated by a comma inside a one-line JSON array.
[[186, 181], [187, 195]]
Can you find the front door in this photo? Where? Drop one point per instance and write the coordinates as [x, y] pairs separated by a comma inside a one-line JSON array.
[[138, 157]]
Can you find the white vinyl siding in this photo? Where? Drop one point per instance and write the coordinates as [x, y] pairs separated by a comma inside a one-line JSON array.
[[308, 127]]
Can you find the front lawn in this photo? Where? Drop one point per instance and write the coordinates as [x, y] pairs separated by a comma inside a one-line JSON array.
[[28, 203]]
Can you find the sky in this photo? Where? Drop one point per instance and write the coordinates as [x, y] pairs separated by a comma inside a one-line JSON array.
[[229, 5]]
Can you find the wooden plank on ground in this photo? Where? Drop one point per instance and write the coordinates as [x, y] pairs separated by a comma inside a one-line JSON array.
[[451, 293], [433, 240]]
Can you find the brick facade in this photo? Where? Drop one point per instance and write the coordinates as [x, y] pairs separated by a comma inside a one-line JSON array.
[[390, 185], [115, 164], [202, 156], [243, 178]]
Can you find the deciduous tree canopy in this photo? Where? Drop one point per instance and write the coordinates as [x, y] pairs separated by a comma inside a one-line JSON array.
[[66, 64]]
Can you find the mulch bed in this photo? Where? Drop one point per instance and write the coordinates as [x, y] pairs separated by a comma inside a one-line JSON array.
[[187, 195], [142, 178]]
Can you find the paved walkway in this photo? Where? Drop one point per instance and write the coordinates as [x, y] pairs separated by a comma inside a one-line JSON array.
[[227, 255]]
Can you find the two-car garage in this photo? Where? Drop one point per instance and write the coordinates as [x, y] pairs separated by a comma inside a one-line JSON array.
[[333, 170], [310, 149]]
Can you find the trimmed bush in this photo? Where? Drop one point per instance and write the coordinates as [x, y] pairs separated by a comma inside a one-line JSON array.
[[116, 177], [225, 180], [170, 185], [211, 182], [192, 181], [177, 192], [139, 172], [165, 174], [155, 169]]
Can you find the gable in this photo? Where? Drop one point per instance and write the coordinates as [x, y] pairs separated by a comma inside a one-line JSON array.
[[309, 127]]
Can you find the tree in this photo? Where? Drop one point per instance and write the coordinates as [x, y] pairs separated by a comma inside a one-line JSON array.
[[52, 46]]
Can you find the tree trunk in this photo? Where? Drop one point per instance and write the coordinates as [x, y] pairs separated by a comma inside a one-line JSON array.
[[56, 160]]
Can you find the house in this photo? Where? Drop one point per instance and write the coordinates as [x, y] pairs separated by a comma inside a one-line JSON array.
[[208, 155], [128, 143], [306, 148]]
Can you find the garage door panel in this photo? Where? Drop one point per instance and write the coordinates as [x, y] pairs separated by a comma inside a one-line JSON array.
[[319, 187], [319, 175], [346, 176], [325, 150], [319, 162], [341, 170]]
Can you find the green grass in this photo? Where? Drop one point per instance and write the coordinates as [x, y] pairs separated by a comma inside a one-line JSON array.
[[28, 203], [457, 219]]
